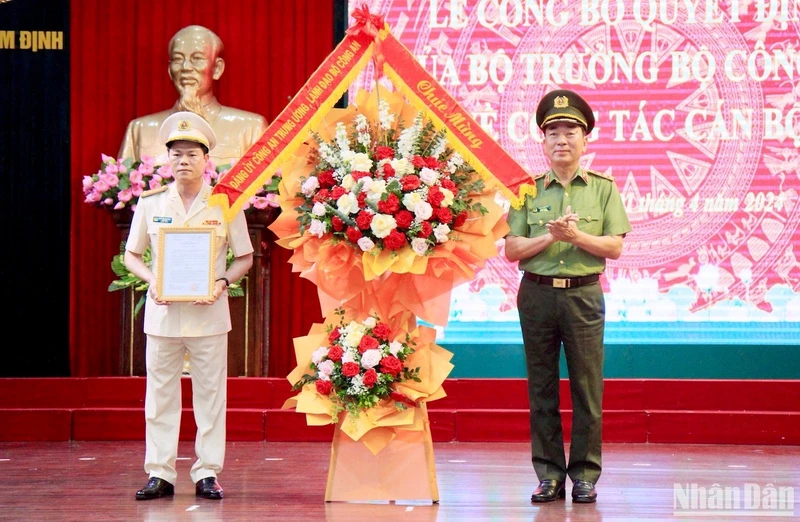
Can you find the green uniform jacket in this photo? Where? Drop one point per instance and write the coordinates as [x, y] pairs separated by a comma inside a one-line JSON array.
[[596, 200]]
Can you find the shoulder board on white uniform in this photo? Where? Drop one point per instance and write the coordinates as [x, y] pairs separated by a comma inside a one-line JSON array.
[[603, 175], [158, 190]]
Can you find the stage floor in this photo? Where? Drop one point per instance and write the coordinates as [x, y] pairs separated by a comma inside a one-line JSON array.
[[286, 481]]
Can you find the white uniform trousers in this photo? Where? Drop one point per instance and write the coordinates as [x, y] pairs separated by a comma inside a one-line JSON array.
[[208, 357]]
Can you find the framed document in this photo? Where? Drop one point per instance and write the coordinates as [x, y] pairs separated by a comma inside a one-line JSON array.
[[185, 270]]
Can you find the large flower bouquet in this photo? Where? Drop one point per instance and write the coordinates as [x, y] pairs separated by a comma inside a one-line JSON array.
[[382, 187], [358, 365], [119, 183], [380, 209]]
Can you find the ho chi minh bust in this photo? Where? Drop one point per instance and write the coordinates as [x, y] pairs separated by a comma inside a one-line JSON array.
[[195, 64]]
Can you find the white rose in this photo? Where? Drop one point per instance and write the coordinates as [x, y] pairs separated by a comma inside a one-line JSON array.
[[348, 356], [370, 322], [317, 356], [351, 340], [348, 182], [423, 210], [370, 358], [317, 228], [401, 167], [411, 199], [325, 369], [376, 189], [428, 176], [309, 186], [448, 197], [419, 245], [347, 155], [347, 203], [366, 183], [441, 232], [395, 347], [361, 162], [365, 244], [319, 209], [382, 225]]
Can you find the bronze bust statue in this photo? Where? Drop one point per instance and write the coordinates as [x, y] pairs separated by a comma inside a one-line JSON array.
[[195, 64]]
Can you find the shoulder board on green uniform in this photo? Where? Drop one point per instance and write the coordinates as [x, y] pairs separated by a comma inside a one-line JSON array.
[[540, 175], [603, 175], [158, 190]]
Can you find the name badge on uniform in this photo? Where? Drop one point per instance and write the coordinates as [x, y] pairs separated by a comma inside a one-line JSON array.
[[541, 209], [211, 222], [160, 219]]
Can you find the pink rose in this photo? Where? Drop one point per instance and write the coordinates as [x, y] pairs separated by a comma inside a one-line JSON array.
[[125, 195]]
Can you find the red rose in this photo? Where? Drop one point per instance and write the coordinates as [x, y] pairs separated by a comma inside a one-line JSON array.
[[425, 230], [391, 365], [395, 240], [337, 223], [381, 331], [390, 205], [443, 214], [367, 343], [353, 234], [357, 175], [322, 195], [350, 369], [418, 161], [461, 218], [364, 220], [404, 218], [338, 191], [362, 200], [334, 335], [388, 170], [431, 162], [448, 184], [410, 182], [326, 179], [324, 387], [435, 196], [370, 378], [335, 353], [383, 152]]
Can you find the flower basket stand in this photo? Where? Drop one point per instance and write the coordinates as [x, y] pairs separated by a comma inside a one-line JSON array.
[[402, 471]]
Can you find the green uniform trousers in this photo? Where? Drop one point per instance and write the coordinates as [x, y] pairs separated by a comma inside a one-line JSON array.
[[575, 317]]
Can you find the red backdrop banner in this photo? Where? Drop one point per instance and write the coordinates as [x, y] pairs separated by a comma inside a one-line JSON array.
[[118, 55]]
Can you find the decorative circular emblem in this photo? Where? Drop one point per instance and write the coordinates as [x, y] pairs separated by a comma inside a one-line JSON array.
[[184, 125], [561, 102]]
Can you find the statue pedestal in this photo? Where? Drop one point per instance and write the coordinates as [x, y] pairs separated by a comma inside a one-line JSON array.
[[248, 341]]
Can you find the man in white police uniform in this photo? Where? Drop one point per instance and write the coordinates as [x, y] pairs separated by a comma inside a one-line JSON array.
[[199, 328]]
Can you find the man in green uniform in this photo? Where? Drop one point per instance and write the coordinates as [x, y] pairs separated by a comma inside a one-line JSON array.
[[562, 238]]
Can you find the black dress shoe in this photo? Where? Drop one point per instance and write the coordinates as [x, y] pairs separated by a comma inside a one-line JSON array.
[[548, 491], [583, 491], [155, 488], [209, 488]]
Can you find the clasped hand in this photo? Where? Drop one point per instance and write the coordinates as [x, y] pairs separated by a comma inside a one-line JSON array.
[[564, 228]]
